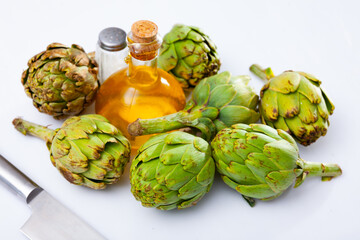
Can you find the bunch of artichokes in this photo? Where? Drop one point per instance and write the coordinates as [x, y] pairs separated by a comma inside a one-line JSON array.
[[261, 162], [295, 103], [217, 102], [87, 150], [189, 55], [175, 170], [172, 170], [62, 81]]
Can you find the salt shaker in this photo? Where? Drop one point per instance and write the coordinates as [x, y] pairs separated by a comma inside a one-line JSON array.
[[110, 52]]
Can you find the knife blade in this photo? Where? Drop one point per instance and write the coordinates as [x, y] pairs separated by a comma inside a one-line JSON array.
[[50, 219]]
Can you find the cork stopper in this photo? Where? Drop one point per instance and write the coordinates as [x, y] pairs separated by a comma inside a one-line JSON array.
[[144, 31], [143, 40]]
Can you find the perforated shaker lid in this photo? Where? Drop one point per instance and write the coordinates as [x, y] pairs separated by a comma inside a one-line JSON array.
[[112, 39]]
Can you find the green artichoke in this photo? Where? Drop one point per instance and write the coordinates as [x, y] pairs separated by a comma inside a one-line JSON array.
[[62, 81], [295, 103], [261, 162], [87, 150], [189, 55], [217, 102], [172, 170]]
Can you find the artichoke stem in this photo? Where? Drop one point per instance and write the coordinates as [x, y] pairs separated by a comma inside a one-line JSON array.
[[157, 125], [36, 130], [264, 74], [324, 170]]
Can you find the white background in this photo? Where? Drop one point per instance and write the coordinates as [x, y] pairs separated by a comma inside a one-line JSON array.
[[319, 37]]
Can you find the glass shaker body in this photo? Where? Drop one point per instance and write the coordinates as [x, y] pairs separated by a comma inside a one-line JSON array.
[[110, 52]]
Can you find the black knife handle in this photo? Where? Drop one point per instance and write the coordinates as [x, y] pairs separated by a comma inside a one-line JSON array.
[[17, 181]]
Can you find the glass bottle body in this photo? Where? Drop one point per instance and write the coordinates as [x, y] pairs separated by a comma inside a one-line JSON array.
[[139, 91]]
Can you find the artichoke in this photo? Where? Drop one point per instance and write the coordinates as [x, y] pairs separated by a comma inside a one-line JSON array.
[[87, 150], [295, 103], [261, 162], [172, 170], [189, 55], [62, 81], [217, 102]]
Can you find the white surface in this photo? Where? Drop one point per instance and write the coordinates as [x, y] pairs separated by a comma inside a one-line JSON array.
[[320, 37]]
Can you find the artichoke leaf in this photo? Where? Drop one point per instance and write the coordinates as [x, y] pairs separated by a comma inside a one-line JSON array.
[[114, 150], [260, 166], [192, 160], [285, 83], [177, 178], [266, 130], [330, 106], [94, 172], [180, 32], [190, 189], [182, 70], [296, 126], [282, 153], [69, 175], [224, 150], [221, 95], [106, 161], [192, 201], [279, 181], [310, 91], [288, 104], [282, 124], [90, 147], [310, 77], [308, 111], [106, 127], [94, 185], [150, 153], [240, 173], [162, 171], [232, 114], [201, 93], [206, 175], [242, 148], [153, 141], [288, 138], [184, 48], [241, 126], [148, 170], [218, 79], [322, 109], [75, 161], [256, 191], [269, 105], [229, 182], [258, 140]]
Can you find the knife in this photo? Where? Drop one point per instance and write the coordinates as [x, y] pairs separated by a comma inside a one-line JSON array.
[[49, 219]]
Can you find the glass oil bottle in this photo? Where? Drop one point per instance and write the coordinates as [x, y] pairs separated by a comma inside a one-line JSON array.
[[141, 90]]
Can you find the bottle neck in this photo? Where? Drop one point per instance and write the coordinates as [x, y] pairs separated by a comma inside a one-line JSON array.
[[142, 71], [142, 58]]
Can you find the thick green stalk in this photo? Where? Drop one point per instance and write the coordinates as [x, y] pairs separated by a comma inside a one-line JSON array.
[[264, 74], [162, 124], [36, 130], [325, 170]]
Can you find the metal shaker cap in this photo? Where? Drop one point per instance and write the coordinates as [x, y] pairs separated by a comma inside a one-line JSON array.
[[112, 39]]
